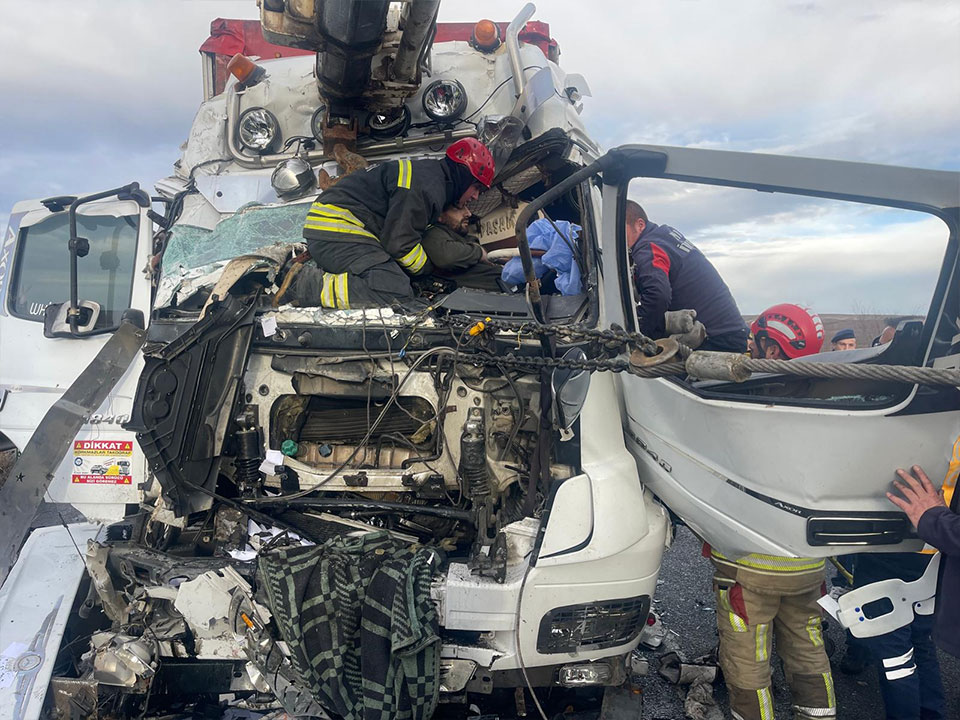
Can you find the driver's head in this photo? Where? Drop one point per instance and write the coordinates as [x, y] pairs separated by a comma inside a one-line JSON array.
[[636, 222], [771, 350], [455, 218]]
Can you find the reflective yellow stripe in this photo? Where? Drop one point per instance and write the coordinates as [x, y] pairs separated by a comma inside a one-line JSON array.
[[330, 225], [736, 622], [334, 211], [815, 631], [343, 300], [765, 701], [762, 647], [404, 174], [774, 563], [953, 471], [414, 260], [831, 695], [327, 299]]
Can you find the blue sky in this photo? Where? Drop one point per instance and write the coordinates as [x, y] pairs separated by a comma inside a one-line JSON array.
[[100, 92]]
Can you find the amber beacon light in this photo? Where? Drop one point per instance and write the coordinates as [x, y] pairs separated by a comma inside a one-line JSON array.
[[486, 36]]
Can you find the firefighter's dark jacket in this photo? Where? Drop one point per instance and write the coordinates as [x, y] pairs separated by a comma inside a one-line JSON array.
[[388, 206], [449, 250], [672, 274]]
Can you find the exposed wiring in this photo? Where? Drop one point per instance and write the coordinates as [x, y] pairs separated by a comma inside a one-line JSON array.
[[516, 635]]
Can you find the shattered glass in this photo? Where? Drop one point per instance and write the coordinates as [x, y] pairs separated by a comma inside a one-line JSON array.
[[195, 256]]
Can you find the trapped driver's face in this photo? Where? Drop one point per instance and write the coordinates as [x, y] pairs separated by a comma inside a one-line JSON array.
[[455, 218], [771, 351]]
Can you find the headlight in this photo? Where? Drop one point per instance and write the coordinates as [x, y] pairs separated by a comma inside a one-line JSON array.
[[444, 100], [595, 626], [258, 130]]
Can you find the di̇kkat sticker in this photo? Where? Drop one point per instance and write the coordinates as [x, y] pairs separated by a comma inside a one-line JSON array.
[[102, 462]]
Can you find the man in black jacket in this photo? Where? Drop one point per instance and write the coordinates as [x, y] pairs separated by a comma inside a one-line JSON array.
[[672, 274], [457, 256], [364, 232]]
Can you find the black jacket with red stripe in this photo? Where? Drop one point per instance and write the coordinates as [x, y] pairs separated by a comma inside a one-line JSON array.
[[672, 274]]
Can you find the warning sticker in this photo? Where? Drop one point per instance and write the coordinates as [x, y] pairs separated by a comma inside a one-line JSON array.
[[102, 462]]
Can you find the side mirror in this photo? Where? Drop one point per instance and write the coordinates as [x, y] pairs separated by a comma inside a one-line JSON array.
[[56, 323], [569, 390]]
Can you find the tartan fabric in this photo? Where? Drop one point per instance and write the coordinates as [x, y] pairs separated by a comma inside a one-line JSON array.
[[357, 617]]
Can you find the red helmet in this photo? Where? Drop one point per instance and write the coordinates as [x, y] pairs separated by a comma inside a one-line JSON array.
[[797, 330], [474, 155]]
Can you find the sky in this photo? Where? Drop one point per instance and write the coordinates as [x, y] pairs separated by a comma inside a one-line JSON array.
[[101, 92]]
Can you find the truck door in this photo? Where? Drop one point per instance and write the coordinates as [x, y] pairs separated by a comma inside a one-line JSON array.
[[41, 354], [780, 465]]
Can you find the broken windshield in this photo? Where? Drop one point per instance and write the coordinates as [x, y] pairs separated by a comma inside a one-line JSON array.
[[194, 256]]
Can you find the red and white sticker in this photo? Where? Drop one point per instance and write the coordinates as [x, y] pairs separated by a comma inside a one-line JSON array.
[[102, 462]]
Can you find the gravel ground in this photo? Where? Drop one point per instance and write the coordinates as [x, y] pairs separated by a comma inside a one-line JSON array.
[[686, 606]]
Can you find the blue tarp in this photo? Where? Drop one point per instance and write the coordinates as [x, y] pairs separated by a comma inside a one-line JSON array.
[[541, 235]]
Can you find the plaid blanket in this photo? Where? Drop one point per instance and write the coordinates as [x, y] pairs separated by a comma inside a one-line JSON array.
[[357, 616]]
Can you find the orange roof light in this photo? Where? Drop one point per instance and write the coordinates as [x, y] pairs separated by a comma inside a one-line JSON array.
[[245, 70], [486, 36]]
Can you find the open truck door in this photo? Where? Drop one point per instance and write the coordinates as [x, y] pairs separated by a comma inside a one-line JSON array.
[[62, 299], [781, 465]]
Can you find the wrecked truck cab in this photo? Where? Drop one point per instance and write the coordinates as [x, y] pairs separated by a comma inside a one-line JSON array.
[[408, 422], [278, 438]]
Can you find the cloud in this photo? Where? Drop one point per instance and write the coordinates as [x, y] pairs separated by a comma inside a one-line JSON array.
[[98, 94], [830, 255]]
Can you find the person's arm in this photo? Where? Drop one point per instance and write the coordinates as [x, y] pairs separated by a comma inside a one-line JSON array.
[[936, 524], [410, 209], [652, 277], [940, 527], [449, 251]]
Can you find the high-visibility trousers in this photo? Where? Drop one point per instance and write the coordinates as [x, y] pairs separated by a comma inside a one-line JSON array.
[[748, 615]]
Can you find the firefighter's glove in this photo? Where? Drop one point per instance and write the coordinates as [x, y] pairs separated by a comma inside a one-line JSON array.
[[683, 326]]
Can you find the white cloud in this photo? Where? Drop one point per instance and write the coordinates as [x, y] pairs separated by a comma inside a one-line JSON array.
[[102, 92], [830, 255]]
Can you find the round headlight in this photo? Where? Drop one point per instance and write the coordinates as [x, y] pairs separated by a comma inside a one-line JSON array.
[[444, 100], [258, 130]]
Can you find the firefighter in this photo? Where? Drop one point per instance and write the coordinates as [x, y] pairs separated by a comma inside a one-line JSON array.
[[364, 232], [761, 595], [672, 274], [457, 256]]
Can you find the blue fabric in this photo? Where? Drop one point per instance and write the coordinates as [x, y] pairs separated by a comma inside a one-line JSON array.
[[558, 256]]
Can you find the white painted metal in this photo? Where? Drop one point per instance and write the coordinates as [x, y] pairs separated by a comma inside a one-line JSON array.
[[36, 370], [906, 598], [35, 603]]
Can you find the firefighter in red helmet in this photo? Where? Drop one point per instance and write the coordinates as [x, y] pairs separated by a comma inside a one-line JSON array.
[[787, 331], [364, 232], [759, 596]]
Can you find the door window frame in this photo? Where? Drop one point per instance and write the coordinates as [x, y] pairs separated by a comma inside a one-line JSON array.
[[653, 162]]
